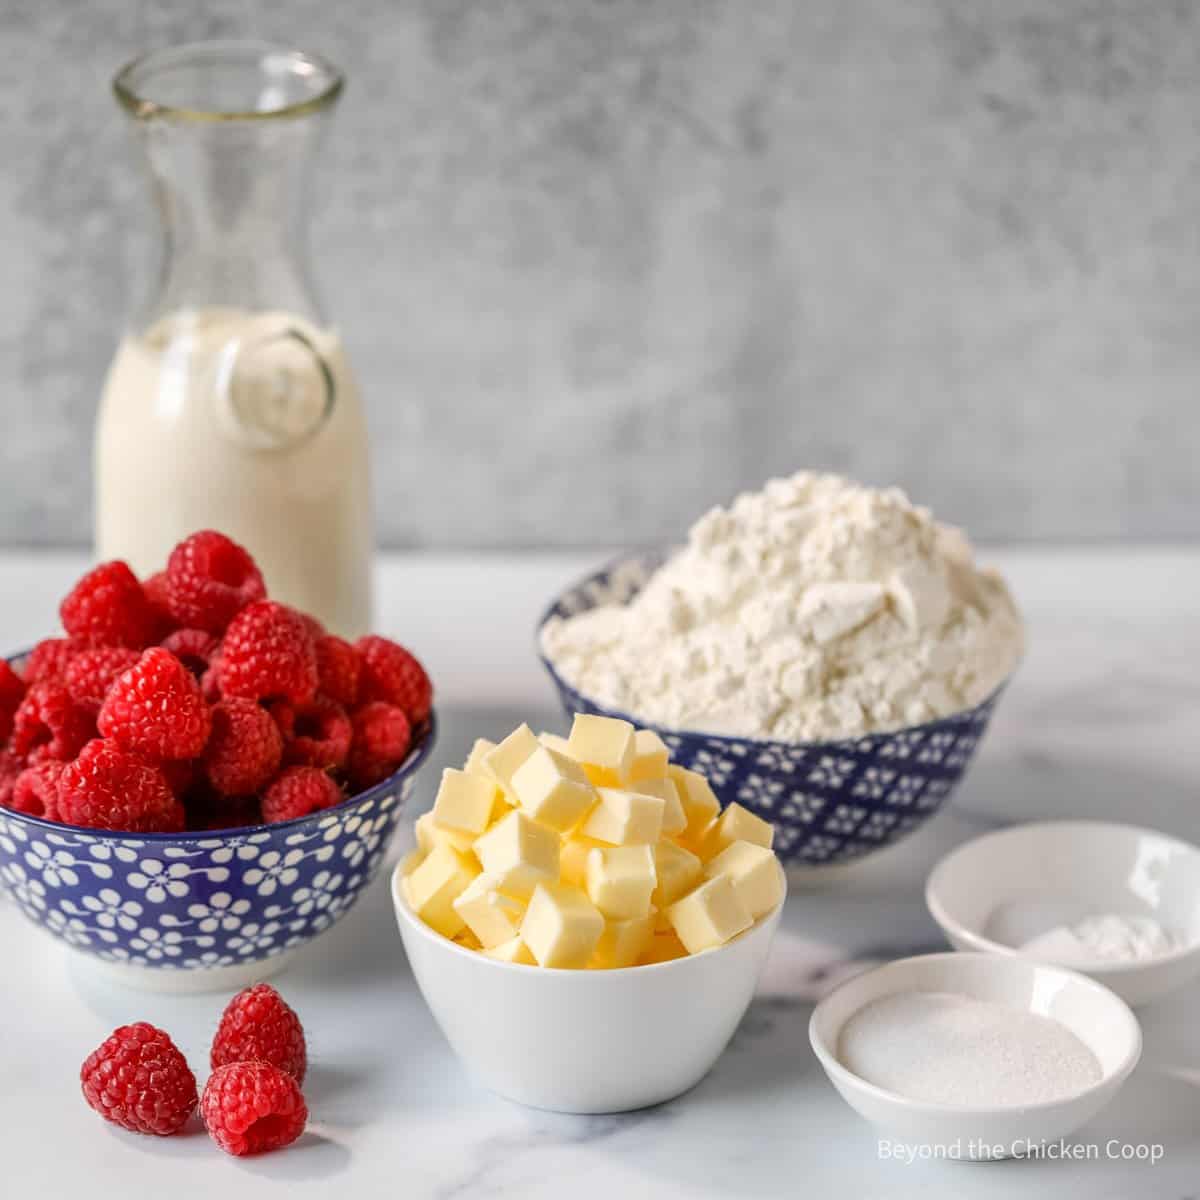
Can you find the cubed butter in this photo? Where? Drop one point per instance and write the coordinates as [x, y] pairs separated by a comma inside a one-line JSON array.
[[561, 926], [519, 853], [465, 802], [604, 746], [502, 761], [674, 821], [622, 943], [700, 804], [755, 875], [436, 883], [572, 859], [479, 751], [620, 880], [709, 915], [735, 824], [625, 818], [553, 789], [555, 742], [677, 870], [489, 914], [514, 951], [663, 947], [430, 834], [467, 940], [650, 756]]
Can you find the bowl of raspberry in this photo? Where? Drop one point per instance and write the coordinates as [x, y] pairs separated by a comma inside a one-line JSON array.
[[195, 779]]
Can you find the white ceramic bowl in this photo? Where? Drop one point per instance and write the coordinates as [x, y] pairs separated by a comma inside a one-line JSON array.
[[585, 1041], [1101, 1020], [1001, 889]]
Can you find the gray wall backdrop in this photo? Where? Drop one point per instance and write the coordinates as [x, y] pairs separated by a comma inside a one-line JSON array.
[[600, 265]]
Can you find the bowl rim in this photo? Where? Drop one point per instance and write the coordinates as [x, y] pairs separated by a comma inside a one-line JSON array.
[[766, 922], [661, 554], [985, 945], [836, 1070]]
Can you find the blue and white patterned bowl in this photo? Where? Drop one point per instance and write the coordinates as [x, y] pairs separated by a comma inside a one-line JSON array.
[[829, 801], [200, 911]]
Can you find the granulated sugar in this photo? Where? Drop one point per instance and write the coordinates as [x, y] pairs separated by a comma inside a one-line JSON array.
[[945, 1048], [814, 609]]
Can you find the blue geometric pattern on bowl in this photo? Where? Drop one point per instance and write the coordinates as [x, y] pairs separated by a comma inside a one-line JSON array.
[[203, 900], [829, 801]]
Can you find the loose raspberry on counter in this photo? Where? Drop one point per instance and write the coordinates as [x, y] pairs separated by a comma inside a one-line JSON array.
[[338, 669], [12, 692], [382, 736], [320, 735], [90, 673], [138, 1079], [391, 674], [244, 749], [258, 1025], [107, 607], [210, 579], [109, 788], [252, 1108], [35, 790], [156, 709], [267, 654], [48, 659], [193, 647], [299, 791], [49, 724]]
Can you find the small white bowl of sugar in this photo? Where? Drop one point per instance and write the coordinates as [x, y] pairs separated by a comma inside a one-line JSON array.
[[974, 1056], [1115, 902]]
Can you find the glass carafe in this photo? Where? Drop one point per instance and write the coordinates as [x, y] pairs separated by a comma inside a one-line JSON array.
[[229, 404]]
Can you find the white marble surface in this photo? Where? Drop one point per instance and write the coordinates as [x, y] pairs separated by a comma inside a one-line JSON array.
[[1101, 720]]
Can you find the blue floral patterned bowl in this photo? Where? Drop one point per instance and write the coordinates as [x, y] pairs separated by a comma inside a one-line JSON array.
[[829, 801], [199, 911]]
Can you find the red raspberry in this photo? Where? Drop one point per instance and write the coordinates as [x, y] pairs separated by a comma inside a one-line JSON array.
[[252, 1108], [209, 811], [138, 1079], [267, 654], [338, 669], [10, 771], [108, 608], [391, 674], [299, 791], [210, 681], [193, 647], [382, 736], [244, 750], [49, 724], [257, 1025], [210, 579], [156, 709], [284, 715], [180, 774], [35, 791], [108, 788], [320, 737], [90, 673], [48, 659], [154, 587], [12, 691]]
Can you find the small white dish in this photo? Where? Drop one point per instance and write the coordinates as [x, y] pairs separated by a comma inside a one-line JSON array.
[[1102, 1021], [585, 1041], [997, 891]]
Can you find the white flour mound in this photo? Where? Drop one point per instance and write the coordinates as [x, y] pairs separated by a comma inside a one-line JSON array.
[[815, 609]]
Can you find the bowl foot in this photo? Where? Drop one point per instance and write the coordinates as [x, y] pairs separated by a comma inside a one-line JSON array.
[[177, 982]]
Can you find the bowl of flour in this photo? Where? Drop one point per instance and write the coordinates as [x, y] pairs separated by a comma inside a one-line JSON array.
[[826, 653]]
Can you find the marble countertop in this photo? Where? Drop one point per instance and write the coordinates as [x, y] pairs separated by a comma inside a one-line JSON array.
[[1102, 720]]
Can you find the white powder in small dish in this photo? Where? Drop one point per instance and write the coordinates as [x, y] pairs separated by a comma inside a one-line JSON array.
[[946, 1048], [1108, 938]]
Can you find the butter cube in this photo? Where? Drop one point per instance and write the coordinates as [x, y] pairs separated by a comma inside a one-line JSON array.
[[620, 880], [674, 819], [519, 853], [572, 859], [561, 926], [490, 915], [434, 886], [430, 834], [700, 804], [555, 742], [474, 764], [663, 947], [514, 951], [709, 915], [604, 745], [622, 943], [625, 818], [464, 802], [755, 874], [650, 756], [553, 789], [502, 761], [467, 940], [735, 824], [677, 870]]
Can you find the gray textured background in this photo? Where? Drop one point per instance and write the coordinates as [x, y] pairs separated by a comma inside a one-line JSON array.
[[601, 264]]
